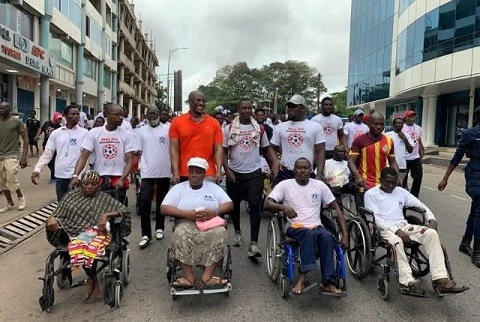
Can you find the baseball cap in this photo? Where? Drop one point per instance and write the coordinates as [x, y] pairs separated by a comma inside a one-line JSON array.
[[297, 100], [198, 162], [358, 112], [410, 113]]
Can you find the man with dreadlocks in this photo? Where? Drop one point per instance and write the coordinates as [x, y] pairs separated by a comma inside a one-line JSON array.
[[86, 210]]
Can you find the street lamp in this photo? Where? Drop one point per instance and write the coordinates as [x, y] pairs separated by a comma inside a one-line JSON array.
[[170, 52]]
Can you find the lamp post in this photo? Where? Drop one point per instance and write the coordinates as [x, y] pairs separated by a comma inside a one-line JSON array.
[[170, 52]]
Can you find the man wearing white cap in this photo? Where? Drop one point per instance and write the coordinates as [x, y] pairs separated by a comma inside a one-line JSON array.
[[355, 128], [298, 137]]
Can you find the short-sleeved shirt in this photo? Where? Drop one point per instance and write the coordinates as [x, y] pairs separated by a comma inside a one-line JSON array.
[[336, 172], [352, 130], [305, 200], [245, 155], [415, 132], [9, 138], [196, 140], [297, 140], [110, 148], [32, 127], [330, 124], [48, 127], [183, 197], [372, 157], [400, 149], [155, 146]]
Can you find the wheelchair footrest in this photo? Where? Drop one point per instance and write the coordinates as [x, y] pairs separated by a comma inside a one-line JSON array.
[[406, 291], [196, 291]]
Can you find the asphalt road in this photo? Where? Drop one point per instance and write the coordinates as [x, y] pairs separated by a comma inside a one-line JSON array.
[[254, 296]]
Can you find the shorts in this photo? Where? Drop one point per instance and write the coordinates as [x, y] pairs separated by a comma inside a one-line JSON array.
[[8, 174], [31, 140]]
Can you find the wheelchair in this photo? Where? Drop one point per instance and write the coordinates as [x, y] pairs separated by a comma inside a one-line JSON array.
[[174, 267], [115, 268], [365, 238], [282, 253]]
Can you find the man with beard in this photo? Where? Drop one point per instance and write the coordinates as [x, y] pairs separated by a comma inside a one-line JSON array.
[[332, 127], [67, 143], [155, 170], [298, 137], [195, 134], [113, 146]]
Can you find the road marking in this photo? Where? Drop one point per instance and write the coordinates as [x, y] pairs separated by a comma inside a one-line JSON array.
[[429, 188], [457, 197]]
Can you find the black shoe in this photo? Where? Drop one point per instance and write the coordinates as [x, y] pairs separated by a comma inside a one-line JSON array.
[[465, 248], [476, 253]]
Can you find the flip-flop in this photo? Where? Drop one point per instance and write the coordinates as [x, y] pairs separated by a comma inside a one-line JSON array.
[[219, 283], [450, 287], [337, 293], [183, 283]]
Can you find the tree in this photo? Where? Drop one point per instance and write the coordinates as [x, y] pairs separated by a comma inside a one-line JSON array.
[[161, 98], [340, 101]]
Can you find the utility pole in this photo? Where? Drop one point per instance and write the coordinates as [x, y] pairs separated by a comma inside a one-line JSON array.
[[318, 92]]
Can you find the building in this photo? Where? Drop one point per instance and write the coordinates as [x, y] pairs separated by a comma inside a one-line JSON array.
[[420, 55], [136, 64]]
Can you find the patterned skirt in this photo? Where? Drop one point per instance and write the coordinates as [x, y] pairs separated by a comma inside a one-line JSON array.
[[193, 247]]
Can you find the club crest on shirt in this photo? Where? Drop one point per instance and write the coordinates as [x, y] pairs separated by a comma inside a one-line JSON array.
[[72, 141], [208, 198], [315, 197], [386, 149], [246, 142], [328, 129], [162, 139], [295, 140], [109, 151]]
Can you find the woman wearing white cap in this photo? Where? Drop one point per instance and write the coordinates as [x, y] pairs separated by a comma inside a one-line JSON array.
[[198, 239]]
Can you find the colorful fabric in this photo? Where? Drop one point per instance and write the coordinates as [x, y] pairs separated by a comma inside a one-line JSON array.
[[83, 251]]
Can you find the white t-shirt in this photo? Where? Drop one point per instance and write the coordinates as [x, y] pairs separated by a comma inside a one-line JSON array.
[[415, 132], [336, 172], [90, 124], [388, 207], [183, 197], [245, 155], [305, 200], [352, 130], [82, 119], [68, 145], [265, 166], [297, 139], [155, 146], [400, 149], [110, 148], [330, 124]]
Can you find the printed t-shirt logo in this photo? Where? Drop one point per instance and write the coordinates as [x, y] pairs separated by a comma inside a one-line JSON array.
[[328, 129], [208, 198], [315, 197], [246, 142], [162, 139], [295, 140], [109, 147]]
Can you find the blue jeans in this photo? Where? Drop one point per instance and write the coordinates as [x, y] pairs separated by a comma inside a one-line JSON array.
[[312, 242], [61, 187]]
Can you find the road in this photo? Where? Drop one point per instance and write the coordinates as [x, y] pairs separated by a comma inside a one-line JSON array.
[[254, 296]]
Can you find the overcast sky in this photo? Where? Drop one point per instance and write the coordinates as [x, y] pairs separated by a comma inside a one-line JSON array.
[[224, 32]]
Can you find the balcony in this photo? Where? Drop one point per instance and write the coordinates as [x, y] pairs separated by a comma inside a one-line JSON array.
[[126, 88], [127, 62]]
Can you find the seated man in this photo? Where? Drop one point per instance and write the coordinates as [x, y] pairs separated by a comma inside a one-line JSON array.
[[302, 199], [86, 209], [387, 202]]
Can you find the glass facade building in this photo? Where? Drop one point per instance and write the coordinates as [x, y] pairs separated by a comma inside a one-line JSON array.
[[370, 59]]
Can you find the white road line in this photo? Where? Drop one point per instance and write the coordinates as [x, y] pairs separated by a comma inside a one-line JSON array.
[[429, 188], [457, 197]]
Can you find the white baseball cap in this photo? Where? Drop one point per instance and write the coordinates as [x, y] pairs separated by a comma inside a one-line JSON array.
[[297, 100], [198, 162], [358, 112]]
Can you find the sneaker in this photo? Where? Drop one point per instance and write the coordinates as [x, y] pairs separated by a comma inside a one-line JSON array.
[[144, 242], [159, 234], [22, 203], [253, 250], [7, 208], [237, 239]]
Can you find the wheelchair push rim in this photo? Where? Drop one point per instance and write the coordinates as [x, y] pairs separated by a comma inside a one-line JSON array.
[[358, 253], [274, 261]]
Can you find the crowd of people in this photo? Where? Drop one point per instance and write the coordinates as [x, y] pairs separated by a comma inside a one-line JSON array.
[[182, 160]]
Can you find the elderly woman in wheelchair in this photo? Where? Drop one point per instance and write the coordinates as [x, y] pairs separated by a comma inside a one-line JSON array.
[[199, 238], [300, 200], [386, 202]]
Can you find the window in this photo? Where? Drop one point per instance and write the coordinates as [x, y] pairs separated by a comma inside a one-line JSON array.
[[107, 78], [63, 51], [25, 24], [90, 68], [87, 26]]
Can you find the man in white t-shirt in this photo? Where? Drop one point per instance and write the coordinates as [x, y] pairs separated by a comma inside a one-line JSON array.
[[387, 202], [113, 146], [242, 141], [67, 142], [332, 127], [298, 137], [414, 159], [301, 199], [337, 174], [402, 143], [155, 170], [82, 122], [355, 128]]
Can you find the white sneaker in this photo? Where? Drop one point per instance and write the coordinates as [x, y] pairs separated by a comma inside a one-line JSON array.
[[7, 208], [144, 242], [159, 234], [237, 239], [22, 203]]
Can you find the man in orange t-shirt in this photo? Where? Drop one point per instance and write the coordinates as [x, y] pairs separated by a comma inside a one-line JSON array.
[[195, 134]]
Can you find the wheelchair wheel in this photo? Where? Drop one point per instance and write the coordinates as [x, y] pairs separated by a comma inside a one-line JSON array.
[[137, 202], [118, 293], [171, 268], [383, 287], [348, 203], [418, 261], [108, 288], [358, 253], [274, 248], [286, 287], [64, 278], [227, 264], [125, 272]]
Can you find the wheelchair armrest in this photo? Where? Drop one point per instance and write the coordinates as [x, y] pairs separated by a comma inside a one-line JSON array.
[[364, 212], [416, 209], [116, 220], [280, 214]]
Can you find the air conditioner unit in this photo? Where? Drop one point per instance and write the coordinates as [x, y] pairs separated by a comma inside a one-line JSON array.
[[16, 2]]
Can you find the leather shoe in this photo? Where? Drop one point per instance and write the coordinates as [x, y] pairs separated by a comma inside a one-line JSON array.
[[465, 248], [476, 253]]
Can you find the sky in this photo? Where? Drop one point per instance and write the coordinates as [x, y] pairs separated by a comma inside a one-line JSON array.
[[224, 32]]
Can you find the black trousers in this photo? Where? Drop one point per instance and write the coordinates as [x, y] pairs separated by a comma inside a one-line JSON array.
[[416, 169], [247, 186], [146, 194]]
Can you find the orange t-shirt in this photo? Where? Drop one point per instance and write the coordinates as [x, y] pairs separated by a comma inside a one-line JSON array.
[[196, 140]]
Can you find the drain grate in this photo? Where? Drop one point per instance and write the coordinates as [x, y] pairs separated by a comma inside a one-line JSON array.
[[12, 233]]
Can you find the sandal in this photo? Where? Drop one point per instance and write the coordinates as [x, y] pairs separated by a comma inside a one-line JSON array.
[[214, 282], [450, 287], [183, 282], [336, 292]]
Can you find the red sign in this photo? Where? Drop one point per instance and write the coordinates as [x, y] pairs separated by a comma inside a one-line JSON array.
[[38, 52], [11, 52], [27, 82]]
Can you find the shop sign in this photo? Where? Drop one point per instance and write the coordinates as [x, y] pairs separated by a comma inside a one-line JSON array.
[[27, 82], [23, 51]]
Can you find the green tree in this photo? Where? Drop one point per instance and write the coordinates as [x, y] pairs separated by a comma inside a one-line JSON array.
[[161, 98], [340, 101]]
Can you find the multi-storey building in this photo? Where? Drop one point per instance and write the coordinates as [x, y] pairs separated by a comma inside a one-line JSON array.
[[136, 64], [420, 55]]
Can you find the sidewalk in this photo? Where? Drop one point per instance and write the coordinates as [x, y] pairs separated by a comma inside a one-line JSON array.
[[37, 196]]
